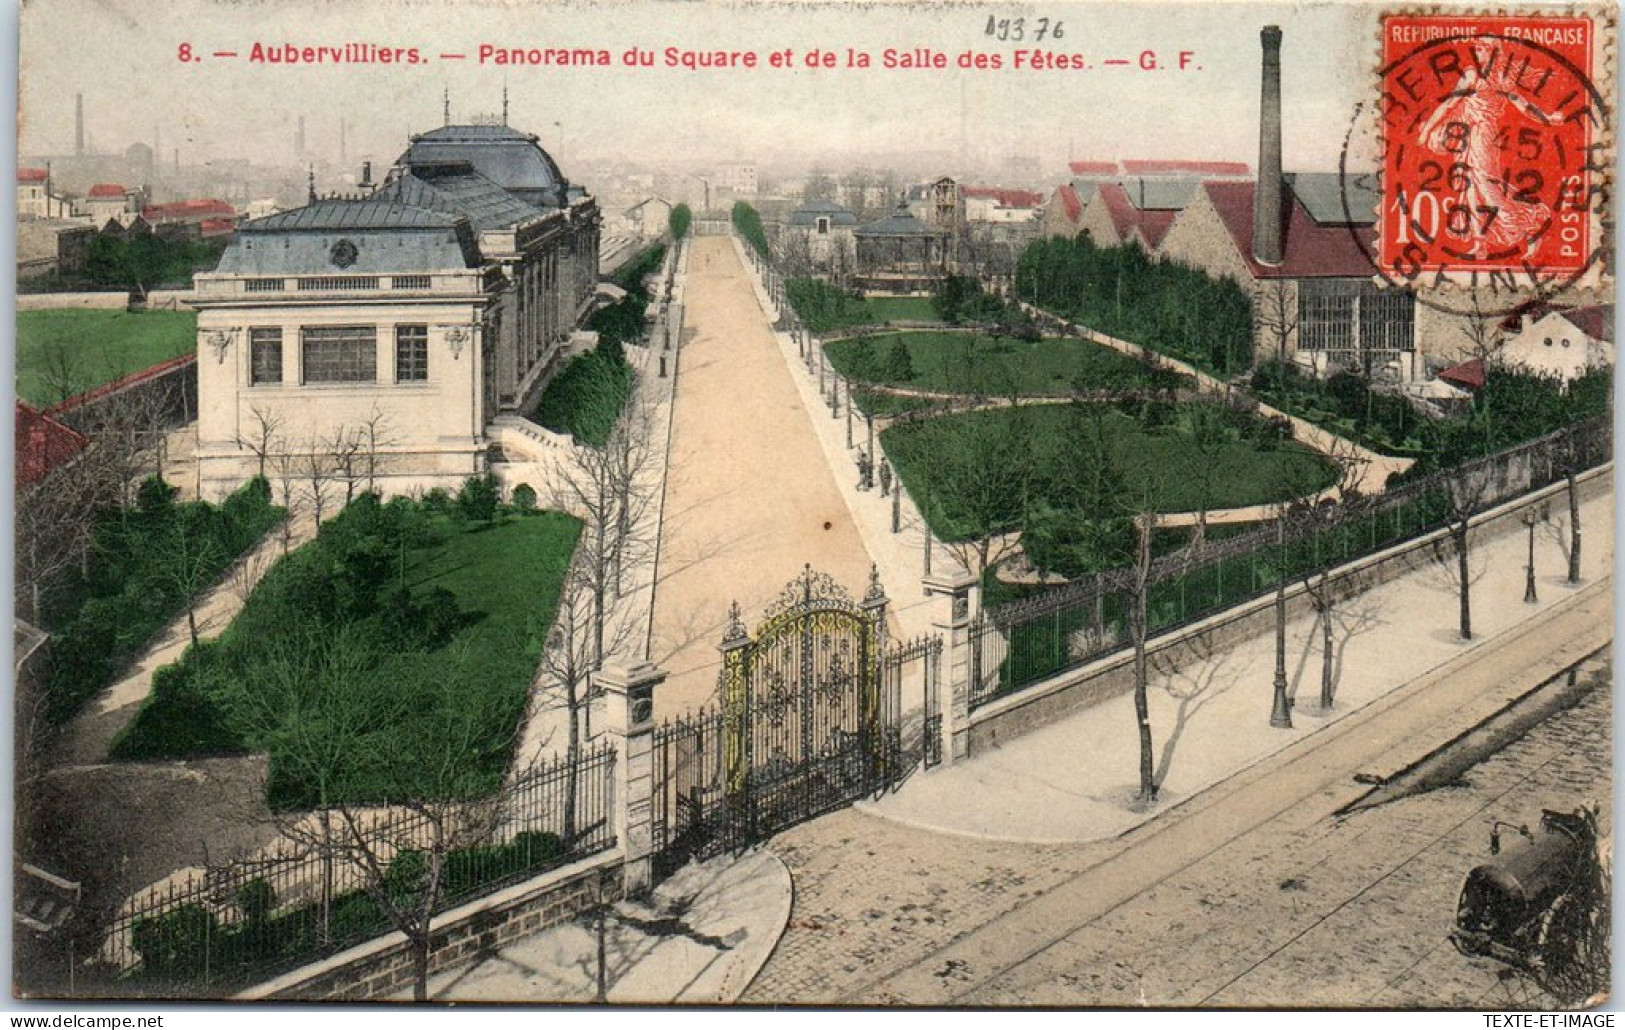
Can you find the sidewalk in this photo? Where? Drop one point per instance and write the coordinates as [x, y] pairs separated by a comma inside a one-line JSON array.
[[900, 556], [699, 939], [1076, 779]]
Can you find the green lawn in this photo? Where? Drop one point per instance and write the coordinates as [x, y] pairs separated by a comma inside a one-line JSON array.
[[327, 667], [62, 353], [986, 469], [980, 363], [901, 309]]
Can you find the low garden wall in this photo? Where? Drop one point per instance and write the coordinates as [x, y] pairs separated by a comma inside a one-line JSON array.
[[382, 968], [1113, 676]]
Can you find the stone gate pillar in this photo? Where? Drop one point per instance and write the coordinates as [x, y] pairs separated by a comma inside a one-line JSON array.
[[955, 600], [629, 704]]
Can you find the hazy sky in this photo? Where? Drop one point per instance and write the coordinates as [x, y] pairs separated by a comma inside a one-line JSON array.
[[122, 55]]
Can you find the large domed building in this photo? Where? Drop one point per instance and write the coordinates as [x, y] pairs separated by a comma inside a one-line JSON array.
[[512, 159], [420, 318]]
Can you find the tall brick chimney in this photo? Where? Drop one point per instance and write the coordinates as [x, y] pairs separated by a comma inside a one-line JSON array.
[[1267, 207], [79, 125]]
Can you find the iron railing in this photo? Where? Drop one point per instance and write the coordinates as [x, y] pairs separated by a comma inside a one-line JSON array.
[[1016, 645], [331, 881]]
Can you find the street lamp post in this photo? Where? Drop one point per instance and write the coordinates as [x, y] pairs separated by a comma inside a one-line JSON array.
[[1530, 519], [1281, 711]]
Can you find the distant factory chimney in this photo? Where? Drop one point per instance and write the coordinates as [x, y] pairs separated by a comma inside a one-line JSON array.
[[1267, 198], [78, 125]]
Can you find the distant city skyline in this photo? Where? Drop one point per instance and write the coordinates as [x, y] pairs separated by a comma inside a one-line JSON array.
[[126, 64]]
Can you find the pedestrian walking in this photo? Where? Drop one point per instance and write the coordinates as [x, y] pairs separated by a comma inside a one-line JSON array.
[[885, 478]]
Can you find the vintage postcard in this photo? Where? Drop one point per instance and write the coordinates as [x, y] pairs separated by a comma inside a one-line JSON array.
[[1069, 504]]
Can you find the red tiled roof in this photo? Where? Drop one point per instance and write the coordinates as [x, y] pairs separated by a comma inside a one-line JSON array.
[[189, 209], [30, 175], [107, 189], [213, 226], [1093, 167], [1311, 250], [1595, 320], [1154, 225], [1006, 197], [1070, 202], [1468, 375], [1236, 168], [43, 444]]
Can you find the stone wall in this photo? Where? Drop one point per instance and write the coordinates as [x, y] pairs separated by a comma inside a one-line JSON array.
[[1113, 676], [382, 969]]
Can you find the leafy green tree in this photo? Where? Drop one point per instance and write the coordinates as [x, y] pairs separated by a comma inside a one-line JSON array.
[[899, 366], [680, 220], [748, 222], [479, 498]]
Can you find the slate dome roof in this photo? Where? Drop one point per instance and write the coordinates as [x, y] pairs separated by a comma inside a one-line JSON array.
[[512, 159]]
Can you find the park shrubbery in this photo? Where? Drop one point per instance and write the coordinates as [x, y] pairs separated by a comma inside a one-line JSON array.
[[1514, 407], [147, 564], [1070, 476], [747, 222], [824, 307], [586, 398], [389, 657], [1166, 307], [1346, 405]]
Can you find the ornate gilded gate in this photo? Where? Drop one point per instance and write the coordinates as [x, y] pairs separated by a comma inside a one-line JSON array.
[[807, 723]]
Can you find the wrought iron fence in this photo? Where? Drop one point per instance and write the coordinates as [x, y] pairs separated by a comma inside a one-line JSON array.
[[334, 877], [1016, 645]]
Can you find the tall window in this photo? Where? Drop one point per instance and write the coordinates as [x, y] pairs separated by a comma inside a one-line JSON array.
[[823, 226], [411, 353], [265, 356], [1361, 326], [340, 354]]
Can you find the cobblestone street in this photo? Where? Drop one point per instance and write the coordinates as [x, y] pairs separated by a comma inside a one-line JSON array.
[[1318, 911]]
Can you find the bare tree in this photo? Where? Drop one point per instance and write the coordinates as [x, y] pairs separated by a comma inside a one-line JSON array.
[[189, 563], [611, 490], [62, 371], [263, 437], [1139, 629], [375, 435], [1465, 496], [315, 470], [1275, 310], [1319, 516], [312, 699], [346, 449], [287, 467]]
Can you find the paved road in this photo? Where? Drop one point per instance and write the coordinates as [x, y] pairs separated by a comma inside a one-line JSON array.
[[750, 497], [1251, 894]]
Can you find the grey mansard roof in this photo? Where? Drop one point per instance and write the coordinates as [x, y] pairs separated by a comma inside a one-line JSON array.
[[808, 215], [388, 236], [457, 189]]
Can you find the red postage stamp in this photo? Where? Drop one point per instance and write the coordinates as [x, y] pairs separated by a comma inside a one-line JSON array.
[[1490, 154]]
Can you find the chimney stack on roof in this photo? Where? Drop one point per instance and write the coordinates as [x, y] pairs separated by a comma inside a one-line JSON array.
[[1267, 191], [366, 175]]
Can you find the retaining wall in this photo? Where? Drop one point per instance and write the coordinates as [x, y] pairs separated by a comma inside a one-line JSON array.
[[1053, 699], [382, 968]]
